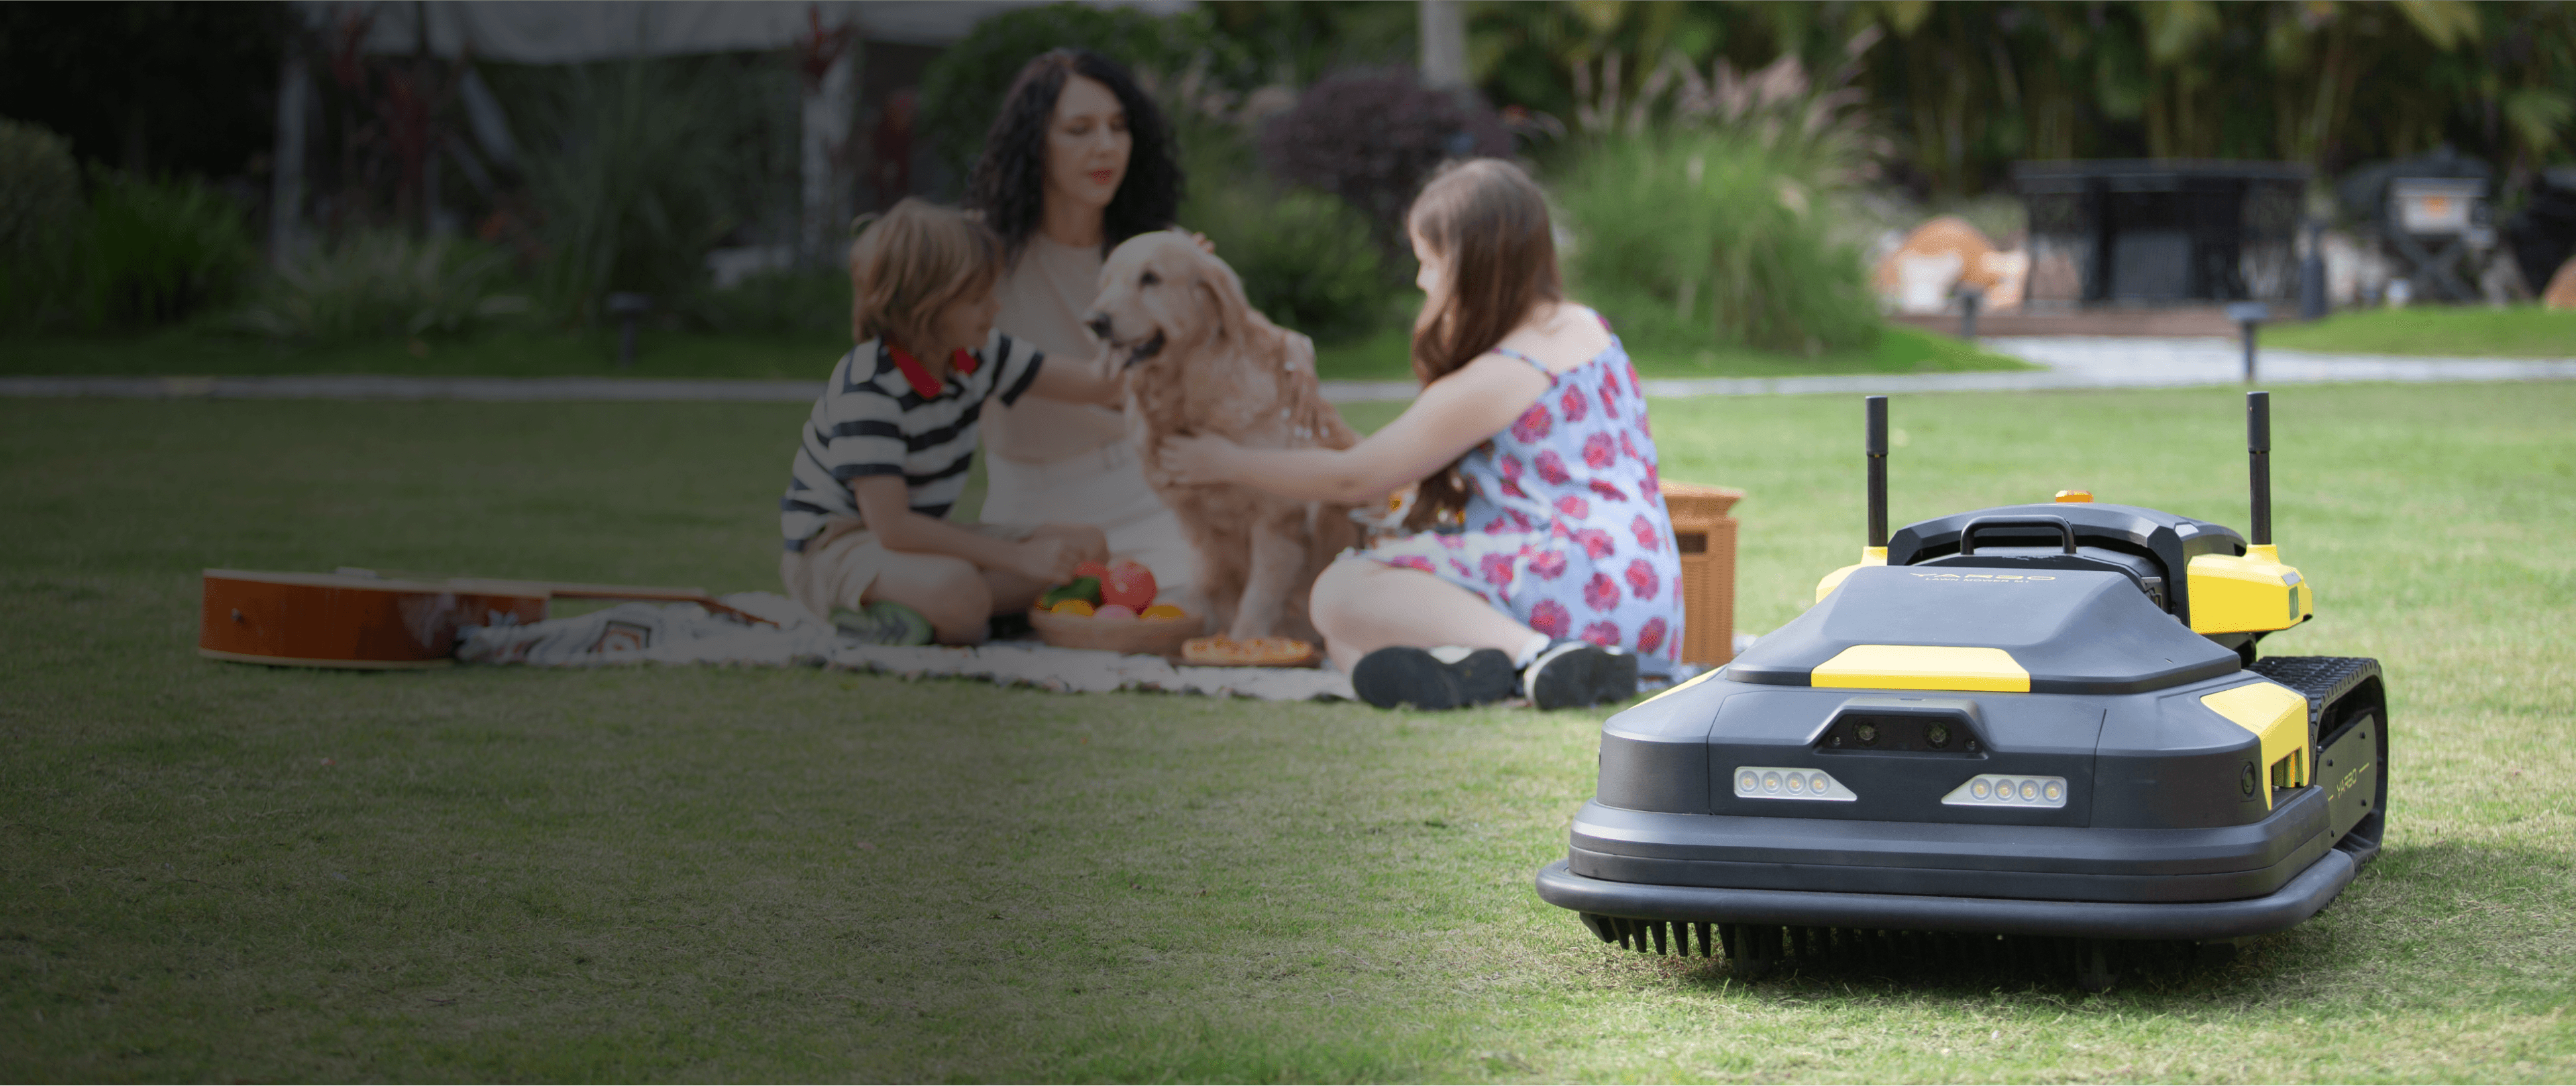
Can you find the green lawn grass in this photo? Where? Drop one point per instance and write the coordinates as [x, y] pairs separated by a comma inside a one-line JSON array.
[[219, 872], [2522, 331], [199, 352]]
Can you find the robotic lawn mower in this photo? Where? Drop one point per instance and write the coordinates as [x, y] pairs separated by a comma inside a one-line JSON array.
[[2037, 728]]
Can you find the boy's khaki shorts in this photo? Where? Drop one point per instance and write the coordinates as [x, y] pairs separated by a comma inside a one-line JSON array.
[[840, 562]]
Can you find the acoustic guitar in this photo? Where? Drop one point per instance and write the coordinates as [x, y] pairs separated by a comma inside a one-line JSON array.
[[357, 619]]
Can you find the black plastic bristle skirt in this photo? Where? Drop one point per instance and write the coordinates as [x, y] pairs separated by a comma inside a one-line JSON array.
[[1756, 948]]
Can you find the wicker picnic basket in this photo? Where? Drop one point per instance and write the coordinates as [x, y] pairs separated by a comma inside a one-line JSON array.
[[1149, 636], [1705, 536]]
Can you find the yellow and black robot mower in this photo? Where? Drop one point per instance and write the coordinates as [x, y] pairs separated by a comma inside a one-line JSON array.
[[2041, 729]]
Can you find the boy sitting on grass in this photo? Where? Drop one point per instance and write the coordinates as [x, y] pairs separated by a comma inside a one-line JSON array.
[[886, 451]]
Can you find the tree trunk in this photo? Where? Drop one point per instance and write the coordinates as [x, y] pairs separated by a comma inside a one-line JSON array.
[[830, 105], [286, 176]]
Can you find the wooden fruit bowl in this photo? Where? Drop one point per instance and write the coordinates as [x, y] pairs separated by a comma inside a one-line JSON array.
[[1148, 636]]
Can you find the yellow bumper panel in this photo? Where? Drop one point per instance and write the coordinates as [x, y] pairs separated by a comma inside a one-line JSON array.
[[1922, 667], [2279, 716]]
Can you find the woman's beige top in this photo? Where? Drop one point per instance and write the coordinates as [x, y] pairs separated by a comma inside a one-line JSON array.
[[1044, 296]]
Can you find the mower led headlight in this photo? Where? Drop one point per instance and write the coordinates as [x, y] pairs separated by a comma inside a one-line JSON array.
[[2008, 790], [1777, 782]]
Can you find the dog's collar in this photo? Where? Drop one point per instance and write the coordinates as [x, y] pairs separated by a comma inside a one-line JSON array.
[[918, 375]]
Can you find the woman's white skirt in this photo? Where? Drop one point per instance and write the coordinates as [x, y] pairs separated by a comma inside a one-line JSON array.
[[1104, 488]]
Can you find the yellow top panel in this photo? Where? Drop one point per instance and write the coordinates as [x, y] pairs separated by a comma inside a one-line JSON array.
[[2276, 714], [1922, 667], [2246, 595]]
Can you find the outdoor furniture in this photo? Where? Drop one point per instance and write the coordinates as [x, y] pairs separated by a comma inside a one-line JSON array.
[[2543, 234], [2426, 213], [2432, 223], [1705, 537], [2162, 231]]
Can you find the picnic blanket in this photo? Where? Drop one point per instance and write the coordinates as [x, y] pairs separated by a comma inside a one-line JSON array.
[[633, 634]]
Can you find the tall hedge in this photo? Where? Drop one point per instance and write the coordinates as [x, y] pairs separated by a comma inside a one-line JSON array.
[[40, 206]]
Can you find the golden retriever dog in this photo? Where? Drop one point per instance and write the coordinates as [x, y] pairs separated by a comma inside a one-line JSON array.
[[1198, 359]]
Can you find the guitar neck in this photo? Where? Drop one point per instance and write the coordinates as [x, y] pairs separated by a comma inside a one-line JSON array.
[[699, 596]]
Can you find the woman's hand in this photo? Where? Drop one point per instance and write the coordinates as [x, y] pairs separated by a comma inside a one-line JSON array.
[[1051, 552], [1199, 459], [1048, 560]]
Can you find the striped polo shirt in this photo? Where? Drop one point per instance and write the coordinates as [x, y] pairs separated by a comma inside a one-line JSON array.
[[881, 413]]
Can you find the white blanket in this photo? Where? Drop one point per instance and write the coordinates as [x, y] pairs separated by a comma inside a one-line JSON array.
[[685, 633]]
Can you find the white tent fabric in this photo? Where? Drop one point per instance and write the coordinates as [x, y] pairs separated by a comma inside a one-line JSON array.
[[574, 31]]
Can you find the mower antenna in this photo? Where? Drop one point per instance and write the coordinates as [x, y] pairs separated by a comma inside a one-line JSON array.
[[1874, 445], [2258, 449]]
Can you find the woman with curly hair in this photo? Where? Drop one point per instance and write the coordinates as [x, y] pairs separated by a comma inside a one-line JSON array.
[[1079, 160]]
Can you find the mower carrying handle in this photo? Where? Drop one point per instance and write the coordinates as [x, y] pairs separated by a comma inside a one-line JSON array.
[[1968, 531]]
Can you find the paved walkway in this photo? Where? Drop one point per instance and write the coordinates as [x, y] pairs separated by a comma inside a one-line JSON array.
[[2070, 361]]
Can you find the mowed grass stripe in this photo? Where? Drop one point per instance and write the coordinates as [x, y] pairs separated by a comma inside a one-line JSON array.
[[711, 873]]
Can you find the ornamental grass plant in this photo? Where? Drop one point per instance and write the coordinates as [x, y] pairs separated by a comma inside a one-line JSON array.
[[386, 283], [161, 251], [1705, 205], [639, 168], [1709, 240]]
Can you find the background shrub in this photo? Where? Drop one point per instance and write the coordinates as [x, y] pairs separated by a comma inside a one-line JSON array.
[[962, 90], [1372, 136], [1704, 239], [158, 252], [1307, 259], [782, 301], [385, 283], [40, 205]]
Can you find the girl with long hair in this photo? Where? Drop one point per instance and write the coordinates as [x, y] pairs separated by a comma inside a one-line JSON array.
[[1078, 161], [1541, 561]]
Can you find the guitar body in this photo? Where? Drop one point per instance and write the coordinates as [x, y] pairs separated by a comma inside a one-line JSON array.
[[337, 620], [358, 620]]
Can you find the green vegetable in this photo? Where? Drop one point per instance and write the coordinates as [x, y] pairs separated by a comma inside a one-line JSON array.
[[1086, 589]]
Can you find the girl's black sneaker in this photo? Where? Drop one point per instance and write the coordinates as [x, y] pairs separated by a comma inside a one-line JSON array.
[[1440, 678], [1574, 674]]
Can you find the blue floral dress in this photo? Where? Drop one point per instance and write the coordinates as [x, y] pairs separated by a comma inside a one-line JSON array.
[[1565, 527]]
